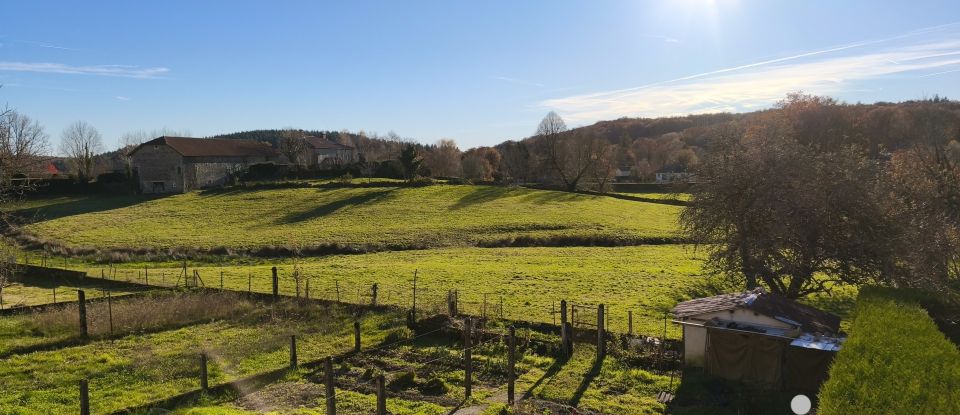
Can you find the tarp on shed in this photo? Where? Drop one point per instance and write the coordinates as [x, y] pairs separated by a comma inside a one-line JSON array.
[[745, 357], [806, 369]]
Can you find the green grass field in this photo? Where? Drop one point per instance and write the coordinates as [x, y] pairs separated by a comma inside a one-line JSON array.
[[644, 279], [28, 293], [141, 368], [433, 216]]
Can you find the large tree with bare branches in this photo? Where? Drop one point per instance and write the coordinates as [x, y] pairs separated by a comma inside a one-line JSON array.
[[81, 142]]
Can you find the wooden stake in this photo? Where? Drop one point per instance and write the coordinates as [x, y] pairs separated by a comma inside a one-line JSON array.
[[381, 396], [84, 397], [467, 358], [330, 391], [601, 334], [564, 329], [293, 352], [276, 283], [414, 308], [336, 284], [356, 336], [511, 366], [203, 372], [82, 309], [630, 322], [110, 311]]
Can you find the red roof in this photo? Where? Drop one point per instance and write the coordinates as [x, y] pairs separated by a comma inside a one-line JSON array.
[[213, 147], [319, 143]]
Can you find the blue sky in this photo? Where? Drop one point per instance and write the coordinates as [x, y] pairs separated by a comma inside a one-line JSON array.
[[477, 72]]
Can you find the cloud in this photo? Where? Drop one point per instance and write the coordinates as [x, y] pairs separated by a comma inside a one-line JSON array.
[[757, 85], [121, 98], [124, 71], [666, 39], [47, 45], [516, 81]]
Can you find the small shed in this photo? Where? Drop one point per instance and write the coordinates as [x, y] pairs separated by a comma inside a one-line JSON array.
[[760, 338]]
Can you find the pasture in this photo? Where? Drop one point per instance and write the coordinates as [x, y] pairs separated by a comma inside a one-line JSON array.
[[364, 218], [531, 281]]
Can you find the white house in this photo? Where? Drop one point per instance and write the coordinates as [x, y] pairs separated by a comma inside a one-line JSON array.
[[676, 177]]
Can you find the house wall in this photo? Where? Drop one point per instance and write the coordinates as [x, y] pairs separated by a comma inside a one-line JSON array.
[[695, 338], [202, 172], [159, 168], [334, 156]]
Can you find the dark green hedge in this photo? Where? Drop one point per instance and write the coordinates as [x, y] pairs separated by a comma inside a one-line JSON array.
[[895, 361]]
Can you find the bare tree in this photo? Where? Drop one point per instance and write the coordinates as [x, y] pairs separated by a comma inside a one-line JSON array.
[[81, 142], [550, 134], [23, 144], [293, 144]]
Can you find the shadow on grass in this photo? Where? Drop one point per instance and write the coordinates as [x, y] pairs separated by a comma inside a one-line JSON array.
[[480, 195], [334, 206], [86, 204], [585, 383], [700, 393], [551, 372]]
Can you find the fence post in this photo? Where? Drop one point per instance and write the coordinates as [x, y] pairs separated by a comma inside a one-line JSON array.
[[221, 280], [328, 383], [630, 322], [110, 311], [336, 285], [276, 283], [146, 276], [564, 329], [484, 312], [203, 372], [54, 295], [293, 352], [381, 396], [356, 336], [511, 365], [308, 289], [373, 294], [501, 307], [601, 334], [414, 295], [467, 358], [84, 397], [249, 283], [82, 309]]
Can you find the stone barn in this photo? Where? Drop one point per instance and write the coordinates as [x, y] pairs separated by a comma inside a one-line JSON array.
[[325, 153], [181, 164], [759, 338]]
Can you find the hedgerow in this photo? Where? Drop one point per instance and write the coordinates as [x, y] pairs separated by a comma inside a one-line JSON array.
[[895, 361]]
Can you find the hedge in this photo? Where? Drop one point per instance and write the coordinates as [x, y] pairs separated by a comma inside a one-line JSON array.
[[895, 361]]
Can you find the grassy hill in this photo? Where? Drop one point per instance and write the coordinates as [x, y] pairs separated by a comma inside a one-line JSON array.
[[363, 218]]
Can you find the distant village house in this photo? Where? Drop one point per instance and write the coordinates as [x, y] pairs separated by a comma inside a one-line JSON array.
[[325, 153], [181, 164], [676, 177]]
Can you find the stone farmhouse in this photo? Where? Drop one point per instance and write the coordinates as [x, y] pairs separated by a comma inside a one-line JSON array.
[[181, 164], [324, 153]]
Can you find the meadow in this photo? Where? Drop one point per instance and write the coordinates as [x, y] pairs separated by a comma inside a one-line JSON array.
[[365, 218], [142, 367], [647, 280]]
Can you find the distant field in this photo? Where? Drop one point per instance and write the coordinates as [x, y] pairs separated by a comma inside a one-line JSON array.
[[391, 217], [29, 293], [645, 279], [684, 197]]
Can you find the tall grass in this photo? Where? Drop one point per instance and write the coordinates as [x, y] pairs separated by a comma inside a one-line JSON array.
[[139, 314]]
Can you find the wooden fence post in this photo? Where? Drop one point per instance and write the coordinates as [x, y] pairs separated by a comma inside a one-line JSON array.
[[373, 294], [221, 279], [293, 352], [414, 308], [203, 372], [467, 357], [601, 334], [82, 309], [336, 284], [511, 366], [564, 329], [356, 336], [630, 323], [84, 397], [146, 276], [308, 289], [110, 311], [276, 283], [381, 396], [328, 384], [249, 283]]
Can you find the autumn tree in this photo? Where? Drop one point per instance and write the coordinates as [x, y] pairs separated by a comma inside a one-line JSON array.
[[790, 204], [481, 163], [443, 160], [81, 142]]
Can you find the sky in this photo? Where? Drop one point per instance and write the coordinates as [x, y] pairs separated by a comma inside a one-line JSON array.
[[478, 72]]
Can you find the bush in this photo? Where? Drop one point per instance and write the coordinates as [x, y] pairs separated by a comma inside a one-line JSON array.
[[405, 380], [434, 387], [346, 178], [895, 361], [398, 334], [420, 181]]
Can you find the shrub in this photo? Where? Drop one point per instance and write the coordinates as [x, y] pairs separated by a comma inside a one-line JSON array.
[[435, 387], [895, 361], [405, 380], [346, 178]]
